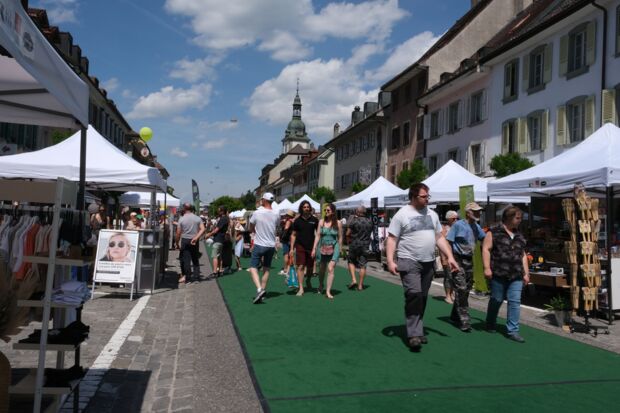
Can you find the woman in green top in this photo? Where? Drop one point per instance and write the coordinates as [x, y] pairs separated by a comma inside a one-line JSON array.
[[327, 244]]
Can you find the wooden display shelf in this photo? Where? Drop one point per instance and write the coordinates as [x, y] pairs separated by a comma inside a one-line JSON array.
[[548, 279], [74, 262], [27, 386]]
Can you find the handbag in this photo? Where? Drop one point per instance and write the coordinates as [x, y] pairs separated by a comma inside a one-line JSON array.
[[327, 249], [292, 280]]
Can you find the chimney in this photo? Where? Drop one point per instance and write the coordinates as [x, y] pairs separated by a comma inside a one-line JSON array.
[[384, 98], [369, 108], [336, 130], [356, 116]]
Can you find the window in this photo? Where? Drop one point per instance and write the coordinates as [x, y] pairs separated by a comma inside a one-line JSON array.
[[453, 155], [405, 165], [406, 137], [537, 68], [395, 138], [408, 86], [364, 143], [421, 84], [535, 130], [420, 128], [575, 118], [357, 146], [343, 183], [577, 51], [372, 138], [476, 158], [393, 173], [395, 94], [509, 136], [434, 124], [475, 108], [433, 164], [511, 81], [453, 117]]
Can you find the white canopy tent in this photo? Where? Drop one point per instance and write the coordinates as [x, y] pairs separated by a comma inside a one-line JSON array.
[[107, 168], [144, 199], [275, 206], [444, 187], [284, 206], [313, 203], [595, 163], [380, 188]]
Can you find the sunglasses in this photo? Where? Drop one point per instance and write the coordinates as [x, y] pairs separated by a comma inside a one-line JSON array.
[[112, 244]]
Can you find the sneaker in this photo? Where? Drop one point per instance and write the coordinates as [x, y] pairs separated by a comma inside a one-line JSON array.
[[415, 343], [259, 296], [466, 328], [424, 340], [516, 337]]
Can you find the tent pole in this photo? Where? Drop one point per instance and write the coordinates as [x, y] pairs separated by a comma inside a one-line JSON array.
[[608, 230], [82, 184]]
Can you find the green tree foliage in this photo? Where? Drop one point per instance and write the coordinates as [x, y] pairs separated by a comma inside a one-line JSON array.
[[248, 200], [59, 136], [358, 187], [508, 164], [231, 204], [416, 173], [323, 192]]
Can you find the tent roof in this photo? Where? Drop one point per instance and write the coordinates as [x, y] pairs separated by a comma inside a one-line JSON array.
[[107, 167], [444, 186], [313, 203], [380, 188], [36, 85], [595, 163], [144, 199]]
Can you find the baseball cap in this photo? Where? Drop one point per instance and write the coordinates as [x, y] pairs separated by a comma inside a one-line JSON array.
[[451, 214], [472, 206], [268, 196]]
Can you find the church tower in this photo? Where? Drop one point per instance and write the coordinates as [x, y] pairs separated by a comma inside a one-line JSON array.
[[295, 133]]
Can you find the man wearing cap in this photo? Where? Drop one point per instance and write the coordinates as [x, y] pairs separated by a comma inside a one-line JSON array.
[[189, 231], [263, 223], [463, 236], [417, 231]]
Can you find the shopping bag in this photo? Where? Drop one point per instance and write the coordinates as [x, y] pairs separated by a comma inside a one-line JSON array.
[[292, 281]]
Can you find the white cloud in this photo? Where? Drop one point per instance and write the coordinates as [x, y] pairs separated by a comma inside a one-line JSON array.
[[60, 11], [182, 120], [283, 27], [214, 144], [170, 101], [111, 84], [128, 94], [195, 70], [176, 151], [224, 124], [403, 56]]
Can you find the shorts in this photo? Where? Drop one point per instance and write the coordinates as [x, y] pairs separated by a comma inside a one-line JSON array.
[[286, 248], [303, 257], [357, 257], [262, 253], [217, 249]]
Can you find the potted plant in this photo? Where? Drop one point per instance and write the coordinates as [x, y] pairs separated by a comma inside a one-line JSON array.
[[561, 309]]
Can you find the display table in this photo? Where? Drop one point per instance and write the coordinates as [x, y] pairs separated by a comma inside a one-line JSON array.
[[548, 279]]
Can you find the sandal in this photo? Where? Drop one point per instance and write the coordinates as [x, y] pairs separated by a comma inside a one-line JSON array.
[[352, 286], [182, 280]]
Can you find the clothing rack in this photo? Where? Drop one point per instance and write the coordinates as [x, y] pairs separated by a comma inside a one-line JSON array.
[[59, 193]]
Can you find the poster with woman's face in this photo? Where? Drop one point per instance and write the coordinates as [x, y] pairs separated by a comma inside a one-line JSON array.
[[116, 256]]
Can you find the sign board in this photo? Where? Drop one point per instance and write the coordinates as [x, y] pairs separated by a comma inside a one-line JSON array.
[[374, 217], [116, 256], [466, 195]]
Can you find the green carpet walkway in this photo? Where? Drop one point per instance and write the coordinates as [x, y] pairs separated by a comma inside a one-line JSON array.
[[311, 354]]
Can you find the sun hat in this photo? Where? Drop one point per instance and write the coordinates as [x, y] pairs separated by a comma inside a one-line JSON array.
[[472, 206]]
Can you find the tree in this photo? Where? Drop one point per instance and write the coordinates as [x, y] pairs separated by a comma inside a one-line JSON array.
[[59, 136], [508, 164], [323, 192], [415, 174], [248, 200], [358, 187], [231, 204]]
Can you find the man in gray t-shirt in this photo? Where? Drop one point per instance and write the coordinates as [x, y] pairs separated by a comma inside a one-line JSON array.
[[417, 230], [189, 230]]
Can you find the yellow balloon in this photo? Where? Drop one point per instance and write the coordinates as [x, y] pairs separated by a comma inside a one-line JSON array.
[[146, 134]]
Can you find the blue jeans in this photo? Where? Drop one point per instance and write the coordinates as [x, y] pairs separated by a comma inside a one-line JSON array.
[[262, 253], [510, 290]]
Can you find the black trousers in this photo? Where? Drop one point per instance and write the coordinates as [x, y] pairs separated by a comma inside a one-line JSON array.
[[189, 256]]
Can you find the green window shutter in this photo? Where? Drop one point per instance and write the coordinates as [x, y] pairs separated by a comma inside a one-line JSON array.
[[560, 126], [563, 55], [523, 142], [548, 63], [608, 106], [591, 42], [589, 116], [505, 138], [544, 129], [526, 72]]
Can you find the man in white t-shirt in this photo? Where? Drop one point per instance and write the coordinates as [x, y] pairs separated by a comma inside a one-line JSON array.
[[263, 222], [416, 230]]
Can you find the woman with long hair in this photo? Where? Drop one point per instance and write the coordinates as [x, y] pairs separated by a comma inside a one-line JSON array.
[[327, 245]]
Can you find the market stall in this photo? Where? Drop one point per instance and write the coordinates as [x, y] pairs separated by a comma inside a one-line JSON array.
[[381, 189], [285, 206], [594, 164], [315, 205]]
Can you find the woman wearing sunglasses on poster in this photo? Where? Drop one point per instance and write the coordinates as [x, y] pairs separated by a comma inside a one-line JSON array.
[[118, 249]]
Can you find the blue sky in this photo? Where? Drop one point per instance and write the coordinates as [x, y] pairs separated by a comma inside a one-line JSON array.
[[186, 68]]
